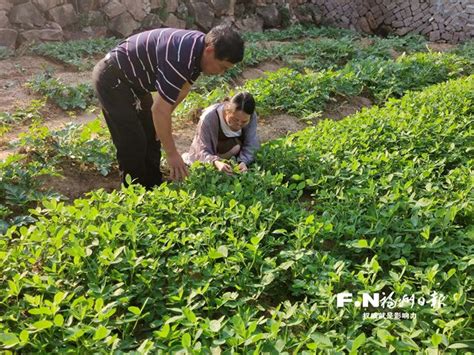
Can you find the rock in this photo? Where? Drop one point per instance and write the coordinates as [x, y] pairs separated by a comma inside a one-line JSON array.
[[202, 14], [250, 24], [113, 9], [270, 15], [123, 24], [4, 22], [99, 31], [65, 15], [45, 5], [168, 6], [364, 25], [222, 7], [155, 4], [224, 20], [135, 8], [95, 18], [151, 21], [27, 15], [5, 5], [53, 26], [171, 5], [41, 35], [8, 37], [435, 36], [174, 22], [307, 13], [87, 6]]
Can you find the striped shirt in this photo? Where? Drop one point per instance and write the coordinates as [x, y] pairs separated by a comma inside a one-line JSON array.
[[161, 60]]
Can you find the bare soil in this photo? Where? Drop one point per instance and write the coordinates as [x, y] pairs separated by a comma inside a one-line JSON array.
[[76, 182], [441, 47], [345, 106]]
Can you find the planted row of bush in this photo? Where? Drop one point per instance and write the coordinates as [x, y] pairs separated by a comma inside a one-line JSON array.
[[32, 114], [303, 94], [326, 52], [80, 54], [235, 264], [44, 151], [67, 97]]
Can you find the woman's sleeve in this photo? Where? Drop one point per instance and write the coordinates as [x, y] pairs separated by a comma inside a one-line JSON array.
[[207, 137], [250, 143]]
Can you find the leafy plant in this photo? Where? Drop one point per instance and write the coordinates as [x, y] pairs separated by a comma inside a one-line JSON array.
[[88, 145], [302, 94], [20, 189], [237, 264], [31, 113], [65, 96], [80, 54]]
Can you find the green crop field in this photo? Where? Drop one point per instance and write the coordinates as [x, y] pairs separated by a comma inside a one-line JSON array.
[[348, 237]]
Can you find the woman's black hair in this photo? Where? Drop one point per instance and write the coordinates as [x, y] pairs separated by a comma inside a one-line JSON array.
[[227, 43], [244, 101]]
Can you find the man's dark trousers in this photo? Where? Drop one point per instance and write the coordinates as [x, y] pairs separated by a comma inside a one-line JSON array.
[[127, 112]]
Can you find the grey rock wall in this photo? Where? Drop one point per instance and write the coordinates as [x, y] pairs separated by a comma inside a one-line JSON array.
[[44, 20], [439, 20]]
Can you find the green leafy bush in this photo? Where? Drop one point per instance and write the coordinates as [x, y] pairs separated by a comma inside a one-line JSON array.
[[300, 31], [20, 189], [302, 94], [88, 146], [80, 54], [466, 50], [65, 96], [387, 78], [237, 264], [31, 113]]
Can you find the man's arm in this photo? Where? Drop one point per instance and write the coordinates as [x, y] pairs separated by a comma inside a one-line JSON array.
[[161, 112], [182, 94]]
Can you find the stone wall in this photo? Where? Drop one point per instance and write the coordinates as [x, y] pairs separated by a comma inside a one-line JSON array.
[[50, 20], [439, 20]]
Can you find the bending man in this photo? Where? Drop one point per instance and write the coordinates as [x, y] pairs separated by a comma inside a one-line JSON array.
[[168, 61]]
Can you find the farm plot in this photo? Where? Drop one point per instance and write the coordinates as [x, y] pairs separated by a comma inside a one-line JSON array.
[[379, 202], [234, 263]]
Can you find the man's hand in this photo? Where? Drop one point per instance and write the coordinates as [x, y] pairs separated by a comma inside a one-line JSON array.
[[178, 169], [224, 167], [242, 167]]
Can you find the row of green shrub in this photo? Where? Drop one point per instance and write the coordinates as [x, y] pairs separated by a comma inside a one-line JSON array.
[[323, 51], [67, 97], [23, 177], [235, 263], [80, 54], [304, 94]]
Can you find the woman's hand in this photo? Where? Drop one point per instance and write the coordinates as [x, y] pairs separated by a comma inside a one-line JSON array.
[[224, 167], [243, 168]]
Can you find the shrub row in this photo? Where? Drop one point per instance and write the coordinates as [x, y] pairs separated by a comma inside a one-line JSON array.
[[235, 264], [304, 94]]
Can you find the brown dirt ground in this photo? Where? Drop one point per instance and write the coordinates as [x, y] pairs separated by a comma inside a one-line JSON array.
[[440, 47], [345, 106], [75, 182]]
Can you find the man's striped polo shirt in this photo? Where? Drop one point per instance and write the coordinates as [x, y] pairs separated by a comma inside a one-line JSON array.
[[161, 60]]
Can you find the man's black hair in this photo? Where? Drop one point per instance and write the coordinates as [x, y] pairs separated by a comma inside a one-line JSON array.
[[244, 101], [227, 43]]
